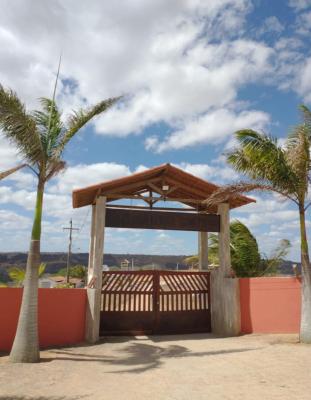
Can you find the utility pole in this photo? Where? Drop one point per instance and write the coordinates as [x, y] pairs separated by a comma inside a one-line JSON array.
[[70, 229]]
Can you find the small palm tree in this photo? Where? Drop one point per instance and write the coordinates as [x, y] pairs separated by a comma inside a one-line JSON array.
[[18, 274], [245, 256], [246, 259], [284, 170], [41, 137]]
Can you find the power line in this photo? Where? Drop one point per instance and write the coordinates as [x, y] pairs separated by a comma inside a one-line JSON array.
[[83, 224], [70, 229]]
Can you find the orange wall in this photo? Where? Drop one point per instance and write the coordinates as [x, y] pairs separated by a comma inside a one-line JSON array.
[[270, 305], [61, 316]]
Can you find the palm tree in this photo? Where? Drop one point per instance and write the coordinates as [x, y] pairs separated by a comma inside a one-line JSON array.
[[284, 170], [246, 259], [18, 274], [245, 256], [41, 137]]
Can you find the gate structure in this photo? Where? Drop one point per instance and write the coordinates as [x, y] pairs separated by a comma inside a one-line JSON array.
[[148, 302], [160, 301]]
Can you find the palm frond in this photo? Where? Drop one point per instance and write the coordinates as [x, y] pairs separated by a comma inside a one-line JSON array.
[[19, 127], [272, 263], [54, 167], [80, 118], [260, 158], [17, 274], [42, 267], [49, 124], [306, 115], [223, 194], [298, 156], [8, 172]]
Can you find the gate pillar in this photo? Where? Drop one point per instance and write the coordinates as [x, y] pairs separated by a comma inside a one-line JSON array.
[[203, 250], [95, 270], [225, 304]]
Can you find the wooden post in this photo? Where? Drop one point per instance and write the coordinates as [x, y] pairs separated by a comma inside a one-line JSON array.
[[95, 270], [224, 240], [225, 292], [203, 250], [90, 271]]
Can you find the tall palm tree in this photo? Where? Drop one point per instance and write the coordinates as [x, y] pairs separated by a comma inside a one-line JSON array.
[[41, 137], [284, 170]]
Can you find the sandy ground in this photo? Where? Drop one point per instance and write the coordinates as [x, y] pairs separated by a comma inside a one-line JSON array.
[[186, 367]]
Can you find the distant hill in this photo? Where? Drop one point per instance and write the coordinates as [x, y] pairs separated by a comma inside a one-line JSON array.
[[56, 261]]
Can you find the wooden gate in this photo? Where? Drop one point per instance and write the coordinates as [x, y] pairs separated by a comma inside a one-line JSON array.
[[155, 302]]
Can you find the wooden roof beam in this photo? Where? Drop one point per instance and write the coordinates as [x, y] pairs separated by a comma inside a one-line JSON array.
[[113, 196], [180, 185], [131, 186], [121, 206]]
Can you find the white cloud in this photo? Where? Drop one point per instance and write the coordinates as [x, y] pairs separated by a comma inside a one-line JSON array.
[[212, 128], [270, 24], [256, 219], [22, 179], [304, 81], [163, 55], [106, 47], [82, 175], [201, 78], [266, 203], [23, 198], [303, 23], [12, 222], [299, 5], [217, 174], [9, 157]]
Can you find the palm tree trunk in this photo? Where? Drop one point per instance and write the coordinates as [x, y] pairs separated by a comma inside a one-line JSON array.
[[26, 343], [305, 325]]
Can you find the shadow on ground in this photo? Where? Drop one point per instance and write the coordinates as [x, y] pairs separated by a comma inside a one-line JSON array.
[[139, 357]]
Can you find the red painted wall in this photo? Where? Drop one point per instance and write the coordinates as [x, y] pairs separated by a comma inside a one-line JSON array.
[[61, 316], [270, 305]]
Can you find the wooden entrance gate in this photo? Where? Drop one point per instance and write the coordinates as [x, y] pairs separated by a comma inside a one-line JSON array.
[[148, 302]]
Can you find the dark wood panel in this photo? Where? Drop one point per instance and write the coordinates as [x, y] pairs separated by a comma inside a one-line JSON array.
[[123, 321], [173, 302], [194, 321], [118, 218]]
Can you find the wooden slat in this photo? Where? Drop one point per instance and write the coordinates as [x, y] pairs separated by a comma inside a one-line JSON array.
[[180, 296]]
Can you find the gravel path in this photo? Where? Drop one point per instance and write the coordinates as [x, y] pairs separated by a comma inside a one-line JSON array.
[[184, 367]]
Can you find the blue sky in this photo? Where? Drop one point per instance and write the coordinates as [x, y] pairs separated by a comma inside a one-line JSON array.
[[191, 72]]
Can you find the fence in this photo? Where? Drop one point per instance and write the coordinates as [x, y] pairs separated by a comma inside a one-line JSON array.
[[270, 305], [61, 316]]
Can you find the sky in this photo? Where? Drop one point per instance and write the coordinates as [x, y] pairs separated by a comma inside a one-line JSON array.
[[191, 73]]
